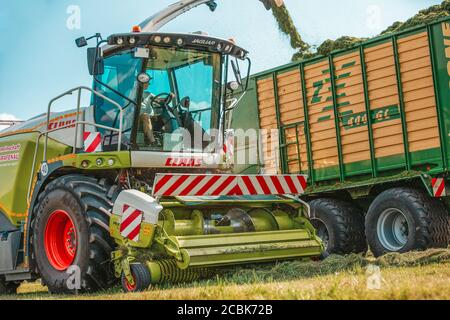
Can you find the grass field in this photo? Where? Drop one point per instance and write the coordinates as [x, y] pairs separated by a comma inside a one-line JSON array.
[[420, 275]]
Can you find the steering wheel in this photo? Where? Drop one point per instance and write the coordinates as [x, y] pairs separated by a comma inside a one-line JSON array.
[[162, 99]]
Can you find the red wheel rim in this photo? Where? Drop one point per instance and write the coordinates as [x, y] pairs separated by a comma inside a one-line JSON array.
[[60, 240], [129, 286]]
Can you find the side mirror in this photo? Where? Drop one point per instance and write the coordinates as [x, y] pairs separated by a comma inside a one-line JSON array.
[[212, 5], [238, 75], [81, 42], [185, 102], [95, 61]]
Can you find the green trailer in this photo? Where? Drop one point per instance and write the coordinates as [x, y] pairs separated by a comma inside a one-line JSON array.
[[370, 126]]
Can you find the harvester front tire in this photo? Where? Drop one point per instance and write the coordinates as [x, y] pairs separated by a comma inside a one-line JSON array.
[[403, 220], [79, 260], [340, 224], [141, 276]]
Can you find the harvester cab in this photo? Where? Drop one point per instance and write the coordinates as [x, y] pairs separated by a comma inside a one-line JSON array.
[[172, 90], [143, 176]]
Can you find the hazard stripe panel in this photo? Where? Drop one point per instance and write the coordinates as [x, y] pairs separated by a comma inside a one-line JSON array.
[[92, 142], [438, 187], [172, 185], [130, 226]]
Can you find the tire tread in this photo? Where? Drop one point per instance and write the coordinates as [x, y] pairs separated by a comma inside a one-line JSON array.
[[432, 230], [96, 200], [348, 225]]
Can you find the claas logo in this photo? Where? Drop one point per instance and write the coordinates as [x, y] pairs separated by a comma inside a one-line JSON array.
[[61, 124], [184, 162]]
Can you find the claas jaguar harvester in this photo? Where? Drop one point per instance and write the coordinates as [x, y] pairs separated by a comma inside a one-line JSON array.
[[98, 193]]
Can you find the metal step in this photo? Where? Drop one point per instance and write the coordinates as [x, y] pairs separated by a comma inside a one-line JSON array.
[[19, 275]]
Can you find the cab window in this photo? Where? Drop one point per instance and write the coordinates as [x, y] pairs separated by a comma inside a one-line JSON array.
[[118, 84], [183, 96]]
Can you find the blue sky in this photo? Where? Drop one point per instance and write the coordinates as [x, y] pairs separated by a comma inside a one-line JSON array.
[[39, 60]]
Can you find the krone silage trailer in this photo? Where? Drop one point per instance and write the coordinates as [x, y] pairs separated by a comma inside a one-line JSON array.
[[370, 126]]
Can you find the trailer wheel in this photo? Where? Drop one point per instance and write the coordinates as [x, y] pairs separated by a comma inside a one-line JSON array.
[[71, 242], [340, 225], [403, 219], [141, 276], [7, 287]]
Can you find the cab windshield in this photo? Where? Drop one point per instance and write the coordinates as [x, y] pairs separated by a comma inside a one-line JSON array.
[[118, 83], [180, 105]]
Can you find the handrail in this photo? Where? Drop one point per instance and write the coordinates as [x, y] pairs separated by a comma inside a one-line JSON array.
[[79, 89], [57, 129], [10, 122], [76, 124]]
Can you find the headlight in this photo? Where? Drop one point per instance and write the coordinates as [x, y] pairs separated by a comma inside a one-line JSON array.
[[132, 40], [233, 86], [119, 41], [167, 40]]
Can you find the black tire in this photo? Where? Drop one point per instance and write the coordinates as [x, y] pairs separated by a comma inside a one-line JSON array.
[[142, 278], [342, 223], [425, 215], [7, 288], [88, 203]]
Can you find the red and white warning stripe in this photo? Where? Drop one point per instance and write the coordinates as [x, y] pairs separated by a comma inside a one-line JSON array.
[[130, 226], [272, 184], [438, 185], [172, 185], [92, 142]]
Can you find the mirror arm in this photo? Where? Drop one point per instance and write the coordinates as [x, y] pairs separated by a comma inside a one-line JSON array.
[[236, 71], [96, 59], [238, 67], [248, 73]]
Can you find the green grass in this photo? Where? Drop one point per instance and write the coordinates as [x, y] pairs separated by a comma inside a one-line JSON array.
[[419, 275]]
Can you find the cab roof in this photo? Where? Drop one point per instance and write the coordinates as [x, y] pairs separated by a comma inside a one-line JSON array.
[[180, 40]]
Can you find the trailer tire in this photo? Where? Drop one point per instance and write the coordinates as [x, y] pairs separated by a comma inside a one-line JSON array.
[[395, 212], [142, 278], [7, 288], [341, 223], [77, 258]]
